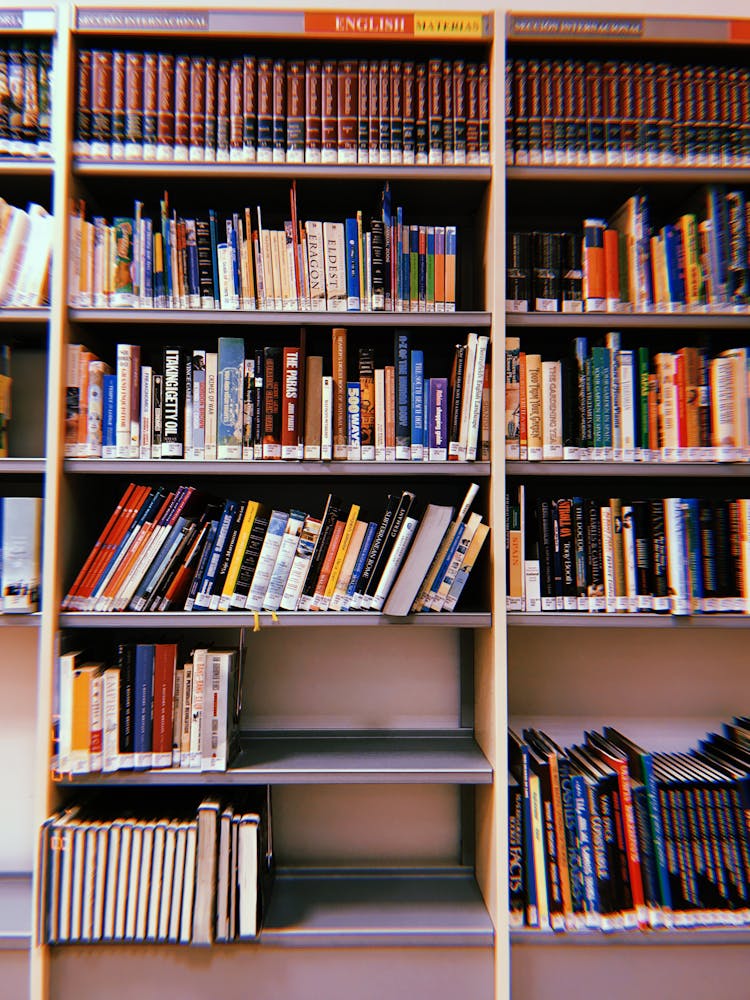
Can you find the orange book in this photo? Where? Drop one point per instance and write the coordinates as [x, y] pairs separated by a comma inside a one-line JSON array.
[[691, 366], [134, 549], [594, 271], [681, 394], [339, 369], [653, 413], [440, 269], [327, 564], [612, 268], [390, 413], [523, 423]]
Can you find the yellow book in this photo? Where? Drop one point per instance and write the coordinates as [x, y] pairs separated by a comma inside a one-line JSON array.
[[534, 411], [239, 551], [80, 731], [341, 554]]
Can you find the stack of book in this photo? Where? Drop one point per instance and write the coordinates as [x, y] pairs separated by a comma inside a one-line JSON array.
[[166, 549], [253, 109], [606, 403], [364, 263], [699, 263], [606, 834], [678, 555], [625, 113], [274, 402], [25, 255], [20, 554], [26, 114], [152, 708], [166, 867]]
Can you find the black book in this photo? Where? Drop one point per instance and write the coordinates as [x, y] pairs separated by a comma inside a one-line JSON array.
[[708, 555], [581, 557], [204, 559], [378, 541], [680, 837], [571, 268], [173, 403], [457, 390], [331, 514], [259, 408], [250, 558], [567, 554], [659, 586], [205, 263], [594, 563], [541, 768], [545, 533], [641, 520], [545, 281], [516, 890], [377, 264], [126, 736], [571, 408], [189, 533], [518, 271], [177, 591], [402, 510]]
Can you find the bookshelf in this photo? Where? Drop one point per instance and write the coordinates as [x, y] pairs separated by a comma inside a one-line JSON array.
[[663, 680], [386, 806]]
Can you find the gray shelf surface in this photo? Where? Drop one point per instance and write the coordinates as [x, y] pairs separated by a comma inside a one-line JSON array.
[[643, 470], [21, 466], [15, 912], [344, 757], [632, 939], [293, 619], [629, 321], [574, 619], [269, 171], [22, 166], [33, 620], [114, 467], [666, 175], [333, 908], [298, 318]]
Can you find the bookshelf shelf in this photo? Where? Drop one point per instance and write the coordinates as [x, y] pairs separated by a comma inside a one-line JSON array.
[[15, 912], [685, 175], [286, 619], [684, 938], [332, 908], [21, 467], [572, 619], [640, 470], [263, 171], [21, 621], [23, 167], [99, 467], [25, 317], [325, 758], [260, 318], [630, 321]]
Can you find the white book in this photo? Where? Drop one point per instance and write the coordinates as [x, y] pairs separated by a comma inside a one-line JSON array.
[[123, 880], [668, 406], [266, 560], [178, 707], [217, 740], [380, 415], [196, 709], [74, 254], [188, 886], [629, 558], [552, 431], [223, 866], [144, 881], [395, 559], [247, 876], [66, 844], [96, 721], [316, 265], [475, 402], [675, 531], [79, 831], [187, 715], [11, 259], [285, 557], [439, 597], [155, 884], [463, 426], [113, 870], [124, 391], [100, 880], [95, 408], [175, 906], [212, 378], [20, 572], [199, 407], [608, 558], [532, 586], [334, 247], [134, 876], [146, 437], [167, 879], [326, 430], [33, 266], [612, 342], [301, 563], [626, 364]]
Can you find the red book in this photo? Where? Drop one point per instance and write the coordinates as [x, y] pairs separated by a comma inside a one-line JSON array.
[[328, 561], [181, 107], [165, 107], [290, 411], [165, 662]]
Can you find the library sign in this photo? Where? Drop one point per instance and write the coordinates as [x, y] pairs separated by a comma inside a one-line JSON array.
[[380, 24]]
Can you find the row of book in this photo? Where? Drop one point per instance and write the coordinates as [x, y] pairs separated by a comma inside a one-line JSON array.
[[275, 403], [153, 707], [25, 97], [625, 113], [20, 554], [607, 834], [167, 549], [254, 109], [674, 555], [235, 263], [25, 255], [172, 867], [698, 263], [606, 403]]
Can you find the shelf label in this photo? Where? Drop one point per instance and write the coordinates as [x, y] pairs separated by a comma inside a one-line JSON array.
[[11, 19], [390, 24], [151, 19], [552, 26]]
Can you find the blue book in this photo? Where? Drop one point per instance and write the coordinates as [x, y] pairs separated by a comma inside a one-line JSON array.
[[437, 420], [200, 571], [351, 236], [691, 507], [450, 268], [231, 366], [193, 279], [232, 243], [359, 565], [213, 228], [390, 249], [203, 597], [401, 363], [147, 287], [450, 553], [109, 416], [416, 385], [585, 846], [673, 254], [518, 763], [353, 421], [143, 697]]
